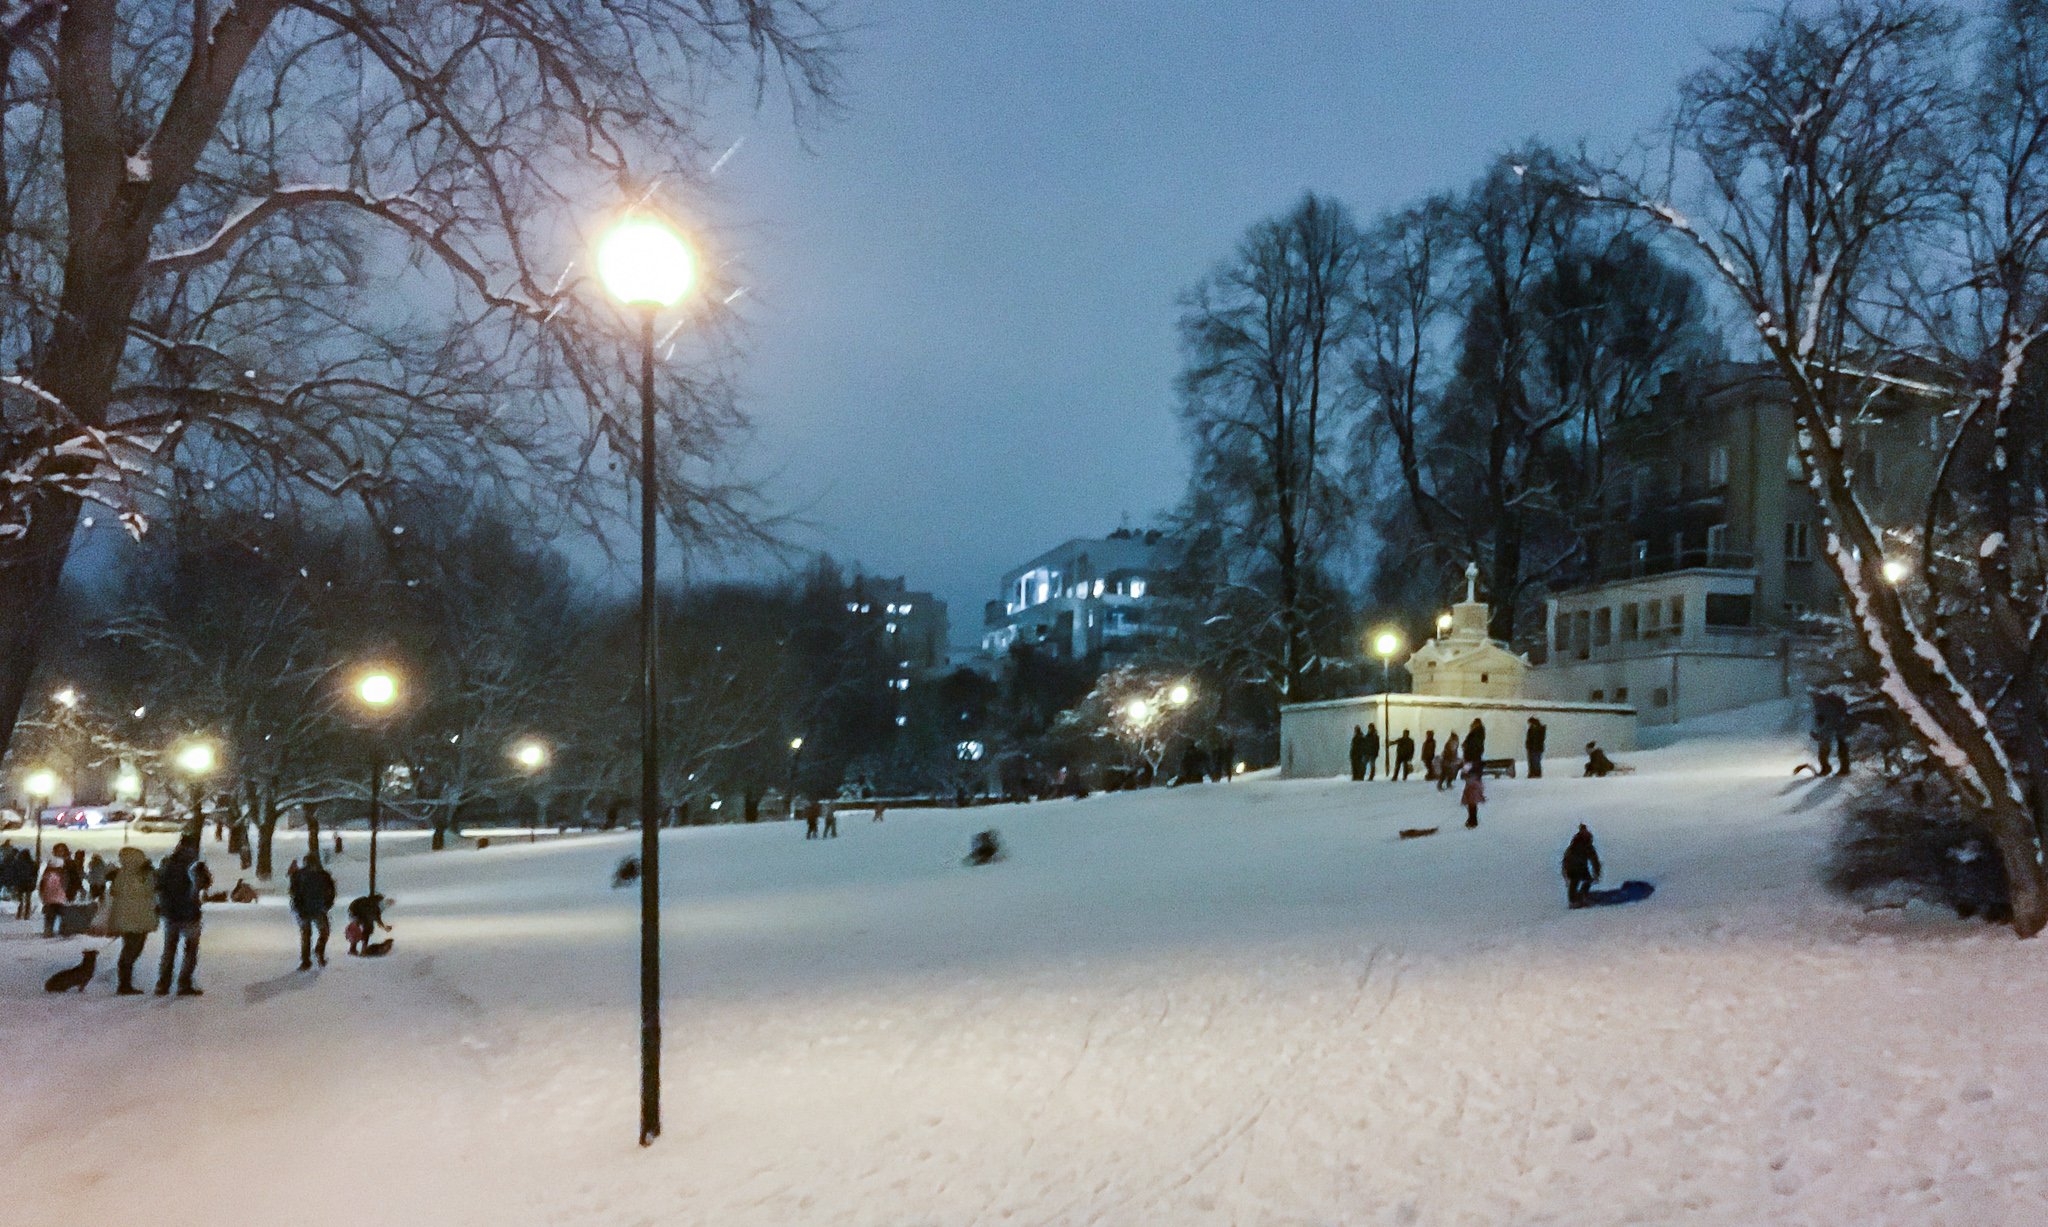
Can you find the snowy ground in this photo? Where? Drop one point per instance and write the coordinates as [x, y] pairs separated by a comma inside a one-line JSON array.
[[1245, 1003]]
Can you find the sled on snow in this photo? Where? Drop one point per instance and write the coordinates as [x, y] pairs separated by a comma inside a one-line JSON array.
[[1627, 892]]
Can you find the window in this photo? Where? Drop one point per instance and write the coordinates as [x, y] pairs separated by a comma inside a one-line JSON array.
[[1652, 610], [1621, 694], [1098, 587], [1137, 587], [1561, 630], [1798, 541], [1717, 544], [1631, 621], [1728, 609], [1660, 697], [902, 720], [1641, 554], [1582, 634], [1677, 615], [1677, 549], [1795, 470], [1717, 467], [1603, 627], [891, 609], [1596, 696], [905, 609], [891, 628]]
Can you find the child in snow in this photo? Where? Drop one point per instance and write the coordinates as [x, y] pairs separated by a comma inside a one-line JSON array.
[[1474, 795], [1581, 868]]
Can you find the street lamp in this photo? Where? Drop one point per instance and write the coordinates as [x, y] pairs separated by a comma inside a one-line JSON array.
[[1443, 625], [647, 266], [1894, 570], [1384, 645], [377, 690], [196, 759], [530, 755], [1137, 710], [40, 785], [1180, 696], [67, 697], [796, 755]]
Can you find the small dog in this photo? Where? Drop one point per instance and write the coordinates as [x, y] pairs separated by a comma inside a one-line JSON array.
[[1418, 832], [377, 950], [73, 977], [219, 896]]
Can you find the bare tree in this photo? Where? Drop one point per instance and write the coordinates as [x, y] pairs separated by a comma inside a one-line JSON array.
[[1266, 402], [1882, 225], [333, 243]]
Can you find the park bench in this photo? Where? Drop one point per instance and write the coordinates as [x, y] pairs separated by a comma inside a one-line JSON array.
[[1498, 767]]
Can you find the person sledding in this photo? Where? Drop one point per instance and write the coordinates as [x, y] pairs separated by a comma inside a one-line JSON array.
[[1581, 868]]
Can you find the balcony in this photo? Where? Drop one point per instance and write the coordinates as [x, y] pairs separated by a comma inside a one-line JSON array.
[[1665, 564]]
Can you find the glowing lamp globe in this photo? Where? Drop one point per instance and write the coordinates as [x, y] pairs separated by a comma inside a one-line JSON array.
[[796, 743], [645, 263], [377, 689], [1137, 709], [41, 784], [127, 784], [197, 758], [1179, 695], [1894, 571], [530, 754], [1386, 644]]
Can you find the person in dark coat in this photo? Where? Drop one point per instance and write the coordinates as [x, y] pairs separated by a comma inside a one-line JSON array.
[[312, 894], [1581, 867], [1365, 760], [1404, 756], [809, 810], [181, 885], [1475, 743], [1447, 763], [1358, 754], [1597, 762], [1429, 755], [1831, 726], [1532, 741]]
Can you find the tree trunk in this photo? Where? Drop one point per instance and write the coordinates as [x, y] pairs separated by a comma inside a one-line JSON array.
[[2012, 829], [311, 810], [266, 831]]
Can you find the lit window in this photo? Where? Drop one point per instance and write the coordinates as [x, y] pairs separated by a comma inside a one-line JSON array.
[[1717, 467], [902, 683], [891, 628], [853, 607], [905, 609], [867, 609], [1098, 587], [1137, 587], [892, 609], [902, 720]]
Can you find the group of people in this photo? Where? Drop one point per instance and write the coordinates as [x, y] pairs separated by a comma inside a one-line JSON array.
[[135, 897], [1455, 761]]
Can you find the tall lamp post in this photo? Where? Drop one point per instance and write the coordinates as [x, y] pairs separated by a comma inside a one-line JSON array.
[[1384, 645], [196, 760], [378, 691], [40, 785], [646, 266], [796, 758], [531, 755]]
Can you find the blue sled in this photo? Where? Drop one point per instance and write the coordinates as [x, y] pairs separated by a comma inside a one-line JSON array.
[[1627, 892]]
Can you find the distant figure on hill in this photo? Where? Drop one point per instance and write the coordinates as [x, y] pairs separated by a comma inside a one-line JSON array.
[[831, 820], [1831, 727], [1429, 755], [312, 896], [1365, 753], [627, 873], [986, 849], [1581, 867], [1447, 763], [808, 810], [1532, 741], [1597, 762], [1404, 756]]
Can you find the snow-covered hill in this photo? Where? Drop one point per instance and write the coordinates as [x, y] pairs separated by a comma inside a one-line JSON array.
[[1245, 1003]]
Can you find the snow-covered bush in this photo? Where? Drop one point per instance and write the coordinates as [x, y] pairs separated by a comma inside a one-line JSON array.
[[1891, 849]]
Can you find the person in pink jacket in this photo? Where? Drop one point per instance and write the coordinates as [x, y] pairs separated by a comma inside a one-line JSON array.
[[1474, 795], [50, 889]]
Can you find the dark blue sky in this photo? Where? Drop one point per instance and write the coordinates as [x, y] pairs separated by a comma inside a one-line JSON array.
[[963, 296]]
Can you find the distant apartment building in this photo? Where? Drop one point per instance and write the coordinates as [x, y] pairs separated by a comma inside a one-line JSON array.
[[1706, 574], [1082, 598], [911, 626]]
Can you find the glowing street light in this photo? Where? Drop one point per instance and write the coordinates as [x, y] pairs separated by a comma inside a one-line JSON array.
[[531, 754], [796, 743], [195, 758], [67, 697], [1180, 696], [1137, 710], [1894, 570], [1384, 645], [647, 266], [377, 690], [1443, 624]]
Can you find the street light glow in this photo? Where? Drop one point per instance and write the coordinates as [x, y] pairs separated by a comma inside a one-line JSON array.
[[1386, 643], [196, 758], [1443, 623], [40, 784], [643, 262], [1894, 570], [796, 743], [377, 689], [1180, 695], [1138, 709], [127, 784], [530, 754], [67, 696]]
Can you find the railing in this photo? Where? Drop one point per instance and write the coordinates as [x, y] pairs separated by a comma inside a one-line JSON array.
[[1665, 564]]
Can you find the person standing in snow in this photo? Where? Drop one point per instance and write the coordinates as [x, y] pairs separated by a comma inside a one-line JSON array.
[[1447, 763], [312, 894], [831, 820], [1365, 753], [133, 915], [1474, 795], [180, 891], [1404, 756], [809, 809], [1358, 755], [96, 877], [50, 888], [1581, 868], [1532, 741], [1831, 725], [1475, 743], [1429, 755]]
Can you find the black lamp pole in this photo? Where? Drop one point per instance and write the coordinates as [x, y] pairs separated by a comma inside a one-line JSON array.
[[376, 779], [650, 774]]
